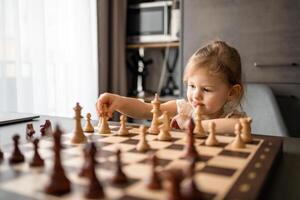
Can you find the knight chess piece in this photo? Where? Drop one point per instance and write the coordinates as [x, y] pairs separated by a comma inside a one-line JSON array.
[[29, 131], [46, 129]]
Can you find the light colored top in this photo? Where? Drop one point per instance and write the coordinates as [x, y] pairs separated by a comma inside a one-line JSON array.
[[183, 107]]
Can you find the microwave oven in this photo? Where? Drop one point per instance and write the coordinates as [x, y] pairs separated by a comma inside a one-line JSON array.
[[152, 22]]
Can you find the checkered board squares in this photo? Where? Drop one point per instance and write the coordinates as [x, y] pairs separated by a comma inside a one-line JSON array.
[[221, 172]]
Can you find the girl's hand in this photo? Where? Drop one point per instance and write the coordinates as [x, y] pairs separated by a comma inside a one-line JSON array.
[[112, 101], [180, 121]]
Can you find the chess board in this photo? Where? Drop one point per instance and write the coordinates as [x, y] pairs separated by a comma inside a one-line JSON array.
[[221, 173]]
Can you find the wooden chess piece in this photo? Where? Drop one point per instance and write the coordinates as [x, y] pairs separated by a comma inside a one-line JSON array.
[[199, 130], [123, 131], [17, 156], [1, 156], [211, 140], [156, 113], [190, 190], [95, 189], [85, 167], [174, 177], [143, 145], [59, 184], [238, 142], [190, 151], [46, 129], [89, 128], [78, 136], [37, 161], [246, 129], [164, 129], [104, 127], [29, 131], [154, 182], [119, 176]]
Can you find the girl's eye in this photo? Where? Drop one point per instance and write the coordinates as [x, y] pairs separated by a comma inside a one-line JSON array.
[[206, 90], [191, 86]]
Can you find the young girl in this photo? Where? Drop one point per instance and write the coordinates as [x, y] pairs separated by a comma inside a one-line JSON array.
[[213, 79]]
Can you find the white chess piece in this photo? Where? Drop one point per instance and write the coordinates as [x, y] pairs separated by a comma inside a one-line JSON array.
[[123, 130], [143, 145], [211, 139], [164, 129], [154, 129], [88, 126], [198, 130], [246, 129], [238, 142], [104, 127], [78, 136]]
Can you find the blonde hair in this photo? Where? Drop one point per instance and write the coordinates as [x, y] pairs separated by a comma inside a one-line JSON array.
[[219, 58]]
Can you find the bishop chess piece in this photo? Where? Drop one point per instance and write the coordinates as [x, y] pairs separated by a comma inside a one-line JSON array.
[[37, 161], [238, 142], [89, 128], [78, 136], [143, 145], [246, 129], [123, 131], [17, 156], [59, 184], [156, 113], [104, 127], [190, 190], [190, 151], [211, 140], [154, 182], [119, 176], [164, 128], [199, 130], [95, 189], [46, 129], [29, 131]]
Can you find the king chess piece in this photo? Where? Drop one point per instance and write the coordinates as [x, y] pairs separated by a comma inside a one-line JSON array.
[[78, 136]]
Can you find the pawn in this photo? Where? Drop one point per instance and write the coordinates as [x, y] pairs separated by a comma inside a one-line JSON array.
[[85, 167], [95, 189], [211, 140], [237, 142], [174, 178], [88, 126], [123, 131], [164, 129], [198, 130], [246, 129], [17, 156], [29, 131], [104, 127], [190, 151], [37, 161], [119, 176], [1, 156], [143, 145], [154, 182]]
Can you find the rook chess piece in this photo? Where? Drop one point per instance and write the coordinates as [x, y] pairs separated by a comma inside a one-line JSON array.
[[123, 131], [237, 142], [46, 129], [119, 176], [199, 130], [78, 136], [95, 189], [29, 131], [37, 161], [143, 145], [190, 151], [246, 129], [88, 126], [164, 129], [211, 140], [59, 184], [17, 156], [154, 182], [156, 113], [104, 127]]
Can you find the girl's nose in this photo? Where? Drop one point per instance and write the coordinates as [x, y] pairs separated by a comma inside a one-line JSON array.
[[198, 94]]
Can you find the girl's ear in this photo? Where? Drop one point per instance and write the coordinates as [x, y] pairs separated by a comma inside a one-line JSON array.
[[234, 92]]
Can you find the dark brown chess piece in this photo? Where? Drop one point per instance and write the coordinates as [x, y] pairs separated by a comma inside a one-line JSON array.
[[190, 190], [1, 156], [174, 177], [119, 176], [59, 184], [190, 151], [29, 131], [17, 156], [46, 129], [154, 182], [95, 189], [37, 161], [85, 167]]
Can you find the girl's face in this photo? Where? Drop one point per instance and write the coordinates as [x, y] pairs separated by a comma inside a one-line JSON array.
[[209, 91]]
